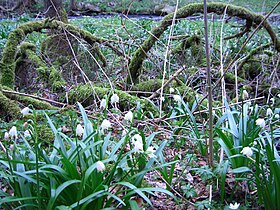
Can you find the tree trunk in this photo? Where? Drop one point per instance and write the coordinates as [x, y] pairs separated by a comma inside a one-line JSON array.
[[73, 5], [54, 9]]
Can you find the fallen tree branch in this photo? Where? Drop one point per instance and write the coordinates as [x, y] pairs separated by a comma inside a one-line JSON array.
[[189, 10], [32, 96]]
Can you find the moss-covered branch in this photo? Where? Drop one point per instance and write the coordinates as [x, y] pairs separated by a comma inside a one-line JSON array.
[[9, 108], [253, 52], [189, 10], [18, 35]]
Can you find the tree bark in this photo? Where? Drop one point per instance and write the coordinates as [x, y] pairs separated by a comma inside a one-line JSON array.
[[73, 5], [54, 9]]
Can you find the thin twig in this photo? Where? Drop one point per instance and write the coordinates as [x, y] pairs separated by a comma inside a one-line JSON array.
[[157, 92], [239, 52], [214, 108], [32, 96], [209, 88]]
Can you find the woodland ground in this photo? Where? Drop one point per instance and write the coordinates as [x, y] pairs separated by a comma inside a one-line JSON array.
[[192, 180]]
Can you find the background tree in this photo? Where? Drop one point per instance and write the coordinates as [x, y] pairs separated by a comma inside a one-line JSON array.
[[54, 9]]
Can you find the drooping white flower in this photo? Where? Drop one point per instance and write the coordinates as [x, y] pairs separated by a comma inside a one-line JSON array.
[[128, 116], [247, 151], [269, 112], [6, 136], [260, 122], [12, 147], [25, 111], [177, 98], [276, 116], [245, 95], [100, 166], [103, 103], [105, 125], [171, 90], [272, 100], [79, 130], [138, 146], [151, 152], [137, 137], [162, 99], [13, 132], [27, 134], [115, 98], [124, 132], [234, 206]]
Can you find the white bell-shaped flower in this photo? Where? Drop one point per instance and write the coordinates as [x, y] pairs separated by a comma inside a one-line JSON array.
[[103, 104], [234, 206], [100, 166], [260, 122], [25, 111], [27, 134], [151, 152], [115, 99], [13, 132], [137, 137], [128, 116], [6, 136], [105, 125], [245, 95], [138, 146], [79, 130], [247, 151], [177, 98], [269, 112], [171, 90]]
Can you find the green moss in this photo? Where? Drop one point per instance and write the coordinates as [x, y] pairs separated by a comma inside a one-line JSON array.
[[45, 133], [230, 78], [7, 75], [85, 95], [7, 70], [8, 108], [189, 10], [50, 75], [153, 85], [25, 100]]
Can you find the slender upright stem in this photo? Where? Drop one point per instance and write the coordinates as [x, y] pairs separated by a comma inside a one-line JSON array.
[[209, 89]]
